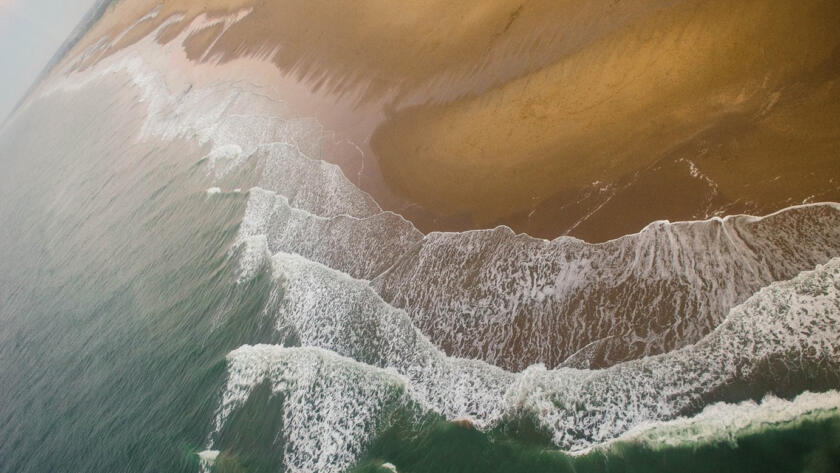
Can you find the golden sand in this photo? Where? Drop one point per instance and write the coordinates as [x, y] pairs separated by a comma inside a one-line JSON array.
[[586, 117]]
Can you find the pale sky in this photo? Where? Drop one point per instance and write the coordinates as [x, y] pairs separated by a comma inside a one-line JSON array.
[[31, 31]]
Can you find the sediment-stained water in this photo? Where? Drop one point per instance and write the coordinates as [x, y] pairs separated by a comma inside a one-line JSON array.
[[188, 282]]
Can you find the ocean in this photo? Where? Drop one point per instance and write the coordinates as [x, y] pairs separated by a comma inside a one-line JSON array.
[[186, 286]]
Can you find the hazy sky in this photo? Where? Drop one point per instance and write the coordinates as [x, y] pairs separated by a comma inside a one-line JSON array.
[[31, 31]]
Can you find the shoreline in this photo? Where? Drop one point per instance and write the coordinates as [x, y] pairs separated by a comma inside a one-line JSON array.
[[376, 135]]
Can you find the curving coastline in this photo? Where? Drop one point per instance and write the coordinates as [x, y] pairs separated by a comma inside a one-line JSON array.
[[277, 313], [607, 111]]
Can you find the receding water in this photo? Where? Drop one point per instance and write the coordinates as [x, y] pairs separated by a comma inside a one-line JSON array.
[[141, 325]]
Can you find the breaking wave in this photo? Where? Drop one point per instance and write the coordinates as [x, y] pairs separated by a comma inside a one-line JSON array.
[[635, 338], [791, 325]]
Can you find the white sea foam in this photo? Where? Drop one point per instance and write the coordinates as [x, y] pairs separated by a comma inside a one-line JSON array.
[[331, 405], [666, 286], [224, 158], [482, 294], [725, 423], [253, 255], [206, 459], [479, 294], [237, 120], [795, 323], [309, 184], [362, 247], [390, 466]]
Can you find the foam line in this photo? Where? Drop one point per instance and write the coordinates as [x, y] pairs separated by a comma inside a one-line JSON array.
[[481, 294], [654, 291], [724, 423], [507, 299], [332, 405], [795, 323]]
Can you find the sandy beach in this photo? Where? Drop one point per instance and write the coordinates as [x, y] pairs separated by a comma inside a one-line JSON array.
[[583, 118]]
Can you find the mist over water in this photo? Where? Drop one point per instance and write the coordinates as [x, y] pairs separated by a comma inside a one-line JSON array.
[[187, 285]]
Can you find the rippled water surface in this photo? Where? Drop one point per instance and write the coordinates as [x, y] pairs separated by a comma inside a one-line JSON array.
[[185, 285]]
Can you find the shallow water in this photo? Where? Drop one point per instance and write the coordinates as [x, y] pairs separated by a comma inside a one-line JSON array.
[[180, 276]]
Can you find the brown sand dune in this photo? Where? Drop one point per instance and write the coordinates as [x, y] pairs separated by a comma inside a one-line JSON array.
[[589, 118]]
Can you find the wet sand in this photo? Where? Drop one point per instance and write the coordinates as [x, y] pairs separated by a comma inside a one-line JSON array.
[[583, 118]]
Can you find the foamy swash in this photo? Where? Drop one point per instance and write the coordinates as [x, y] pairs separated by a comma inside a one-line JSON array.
[[794, 324], [386, 317], [513, 300]]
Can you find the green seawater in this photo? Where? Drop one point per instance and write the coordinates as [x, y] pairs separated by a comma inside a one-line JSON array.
[[807, 446], [119, 303]]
